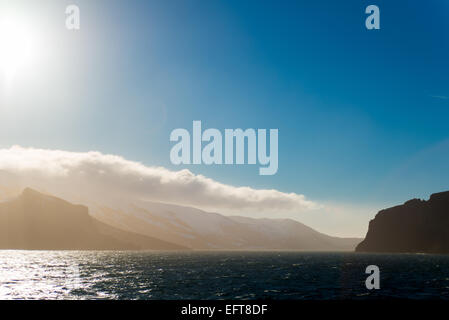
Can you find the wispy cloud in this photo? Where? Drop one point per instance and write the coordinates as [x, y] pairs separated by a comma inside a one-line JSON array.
[[100, 176], [439, 97]]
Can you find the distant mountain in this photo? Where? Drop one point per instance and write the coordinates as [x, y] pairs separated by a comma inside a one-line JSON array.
[[34, 221], [288, 233], [198, 229], [416, 226]]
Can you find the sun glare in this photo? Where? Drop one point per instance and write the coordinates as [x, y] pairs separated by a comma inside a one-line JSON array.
[[18, 47]]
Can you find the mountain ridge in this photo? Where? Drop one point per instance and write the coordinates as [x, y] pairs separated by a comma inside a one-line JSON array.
[[36, 221]]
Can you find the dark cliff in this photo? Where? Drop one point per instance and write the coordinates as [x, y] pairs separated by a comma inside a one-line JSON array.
[[416, 226]]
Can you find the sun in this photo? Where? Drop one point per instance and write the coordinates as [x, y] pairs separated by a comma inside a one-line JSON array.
[[18, 46]]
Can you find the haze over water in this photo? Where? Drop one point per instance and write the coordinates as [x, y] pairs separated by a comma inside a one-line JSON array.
[[218, 275]]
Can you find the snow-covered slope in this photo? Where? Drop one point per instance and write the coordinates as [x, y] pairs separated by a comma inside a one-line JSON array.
[[204, 230]]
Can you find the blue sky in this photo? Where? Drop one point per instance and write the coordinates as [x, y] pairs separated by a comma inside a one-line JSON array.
[[362, 115]]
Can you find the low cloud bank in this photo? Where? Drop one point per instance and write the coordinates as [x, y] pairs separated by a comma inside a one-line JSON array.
[[98, 176]]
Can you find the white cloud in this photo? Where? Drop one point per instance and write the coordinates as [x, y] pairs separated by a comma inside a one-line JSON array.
[[94, 175]]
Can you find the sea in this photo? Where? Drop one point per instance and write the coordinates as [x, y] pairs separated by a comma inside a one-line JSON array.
[[211, 275]]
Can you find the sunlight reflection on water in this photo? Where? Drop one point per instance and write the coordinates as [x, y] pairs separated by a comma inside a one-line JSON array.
[[217, 275]]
